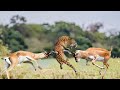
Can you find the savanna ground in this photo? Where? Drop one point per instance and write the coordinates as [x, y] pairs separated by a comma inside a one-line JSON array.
[[51, 70]]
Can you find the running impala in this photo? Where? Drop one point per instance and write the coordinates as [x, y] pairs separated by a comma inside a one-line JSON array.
[[19, 57]]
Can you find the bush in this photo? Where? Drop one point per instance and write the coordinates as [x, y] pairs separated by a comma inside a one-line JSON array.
[[14, 40], [3, 49]]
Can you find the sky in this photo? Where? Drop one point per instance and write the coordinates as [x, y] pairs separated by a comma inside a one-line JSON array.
[[110, 19]]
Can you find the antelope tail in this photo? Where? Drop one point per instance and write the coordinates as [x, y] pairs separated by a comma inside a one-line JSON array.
[[111, 49]]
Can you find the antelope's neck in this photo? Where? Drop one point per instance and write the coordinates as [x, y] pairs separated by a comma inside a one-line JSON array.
[[39, 55]]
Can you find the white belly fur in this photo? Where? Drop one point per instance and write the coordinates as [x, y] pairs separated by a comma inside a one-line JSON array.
[[23, 58], [99, 58]]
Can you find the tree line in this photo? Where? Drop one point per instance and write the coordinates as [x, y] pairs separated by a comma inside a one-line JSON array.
[[19, 35]]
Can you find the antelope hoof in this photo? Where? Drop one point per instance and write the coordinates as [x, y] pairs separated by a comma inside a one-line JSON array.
[[102, 77], [76, 73], [61, 68], [100, 73], [76, 61]]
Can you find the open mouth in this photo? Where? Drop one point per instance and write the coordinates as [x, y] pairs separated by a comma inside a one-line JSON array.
[[73, 45]]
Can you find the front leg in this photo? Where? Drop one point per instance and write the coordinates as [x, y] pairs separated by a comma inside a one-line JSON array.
[[87, 63], [31, 64], [38, 65], [66, 48], [67, 51], [35, 62], [101, 70], [61, 66]]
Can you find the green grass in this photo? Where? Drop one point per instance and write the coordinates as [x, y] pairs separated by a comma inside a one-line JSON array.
[[51, 70]]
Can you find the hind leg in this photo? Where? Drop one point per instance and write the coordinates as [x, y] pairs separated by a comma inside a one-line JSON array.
[[58, 58], [62, 59], [7, 65], [87, 63], [14, 63], [60, 64], [93, 62], [70, 65], [107, 65], [9, 69]]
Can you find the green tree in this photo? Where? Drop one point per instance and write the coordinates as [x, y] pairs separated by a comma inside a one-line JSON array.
[[17, 19], [83, 43], [14, 40], [18, 23], [3, 49]]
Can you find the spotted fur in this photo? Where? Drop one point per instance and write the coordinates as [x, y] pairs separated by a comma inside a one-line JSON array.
[[63, 43]]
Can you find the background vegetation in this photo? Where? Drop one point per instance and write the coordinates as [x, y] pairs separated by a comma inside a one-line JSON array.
[[19, 35]]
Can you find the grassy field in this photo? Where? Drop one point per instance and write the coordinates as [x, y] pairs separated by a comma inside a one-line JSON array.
[[51, 70]]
